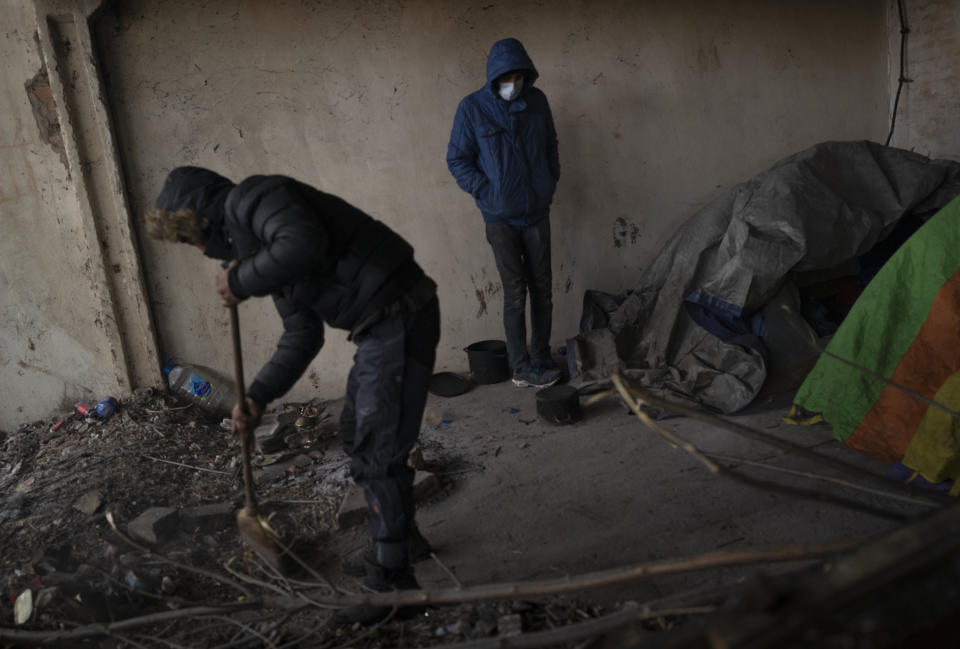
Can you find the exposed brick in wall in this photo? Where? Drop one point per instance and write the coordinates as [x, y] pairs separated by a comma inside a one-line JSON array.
[[45, 111], [927, 117]]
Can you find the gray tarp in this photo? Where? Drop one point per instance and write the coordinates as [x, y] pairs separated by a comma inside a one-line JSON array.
[[814, 210]]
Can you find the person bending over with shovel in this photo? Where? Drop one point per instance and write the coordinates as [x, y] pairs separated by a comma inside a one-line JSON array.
[[323, 260]]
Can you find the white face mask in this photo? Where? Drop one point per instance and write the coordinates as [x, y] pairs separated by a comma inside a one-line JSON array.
[[509, 91]]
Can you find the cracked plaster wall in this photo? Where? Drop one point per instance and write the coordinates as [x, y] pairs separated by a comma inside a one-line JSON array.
[[52, 350], [659, 107], [928, 121]]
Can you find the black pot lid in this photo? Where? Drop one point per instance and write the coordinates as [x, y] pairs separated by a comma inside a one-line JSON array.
[[449, 384]]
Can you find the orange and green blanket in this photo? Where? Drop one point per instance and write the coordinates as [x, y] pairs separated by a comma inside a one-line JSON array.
[[905, 326]]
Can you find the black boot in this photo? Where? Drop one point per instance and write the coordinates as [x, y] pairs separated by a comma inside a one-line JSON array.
[[383, 580], [418, 547], [356, 561]]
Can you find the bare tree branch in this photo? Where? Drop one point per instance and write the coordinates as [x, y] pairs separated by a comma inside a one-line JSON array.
[[588, 581], [200, 571], [634, 401], [186, 466], [49, 638], [812, 476], [920, 496]]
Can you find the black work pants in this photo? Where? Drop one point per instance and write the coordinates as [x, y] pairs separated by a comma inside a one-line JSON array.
[[380, 422]]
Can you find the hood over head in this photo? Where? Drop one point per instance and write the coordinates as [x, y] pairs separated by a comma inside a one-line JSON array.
[[508, 55], [204, 192]]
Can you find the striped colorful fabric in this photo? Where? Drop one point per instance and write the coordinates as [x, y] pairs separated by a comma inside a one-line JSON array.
[[906, 327]]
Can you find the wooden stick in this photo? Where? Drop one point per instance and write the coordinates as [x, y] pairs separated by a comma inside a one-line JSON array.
[[187, 466], [719, 469], [918, 494], [46, 638], [588, 581], [813, 476]]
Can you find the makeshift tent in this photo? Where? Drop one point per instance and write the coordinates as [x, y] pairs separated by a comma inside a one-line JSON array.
[[904, 327], [699, 323]]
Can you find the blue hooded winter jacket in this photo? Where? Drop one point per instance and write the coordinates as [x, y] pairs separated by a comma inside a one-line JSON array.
[[504, 153]]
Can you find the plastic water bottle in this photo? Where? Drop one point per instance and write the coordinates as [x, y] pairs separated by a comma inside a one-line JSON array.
[[201, 386]]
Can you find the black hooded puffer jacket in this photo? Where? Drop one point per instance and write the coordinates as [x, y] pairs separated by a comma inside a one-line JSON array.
[[318, 256]]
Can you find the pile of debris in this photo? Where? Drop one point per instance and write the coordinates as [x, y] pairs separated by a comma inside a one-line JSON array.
[[132, 518]]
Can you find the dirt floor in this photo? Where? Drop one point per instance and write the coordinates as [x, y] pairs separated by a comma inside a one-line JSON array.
[[518, 509]]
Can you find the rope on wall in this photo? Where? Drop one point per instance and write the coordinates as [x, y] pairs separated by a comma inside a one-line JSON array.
[[904, 30]]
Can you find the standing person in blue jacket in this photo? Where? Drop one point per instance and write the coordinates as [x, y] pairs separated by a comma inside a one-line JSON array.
[[503, 152]]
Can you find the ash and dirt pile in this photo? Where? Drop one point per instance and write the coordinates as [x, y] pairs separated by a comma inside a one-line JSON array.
[[107, 519]]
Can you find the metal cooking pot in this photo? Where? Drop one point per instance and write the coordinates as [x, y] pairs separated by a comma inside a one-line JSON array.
[[559, 404], [488, 361]]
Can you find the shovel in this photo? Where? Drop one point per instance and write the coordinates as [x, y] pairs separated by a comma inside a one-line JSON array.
[[254, 531]]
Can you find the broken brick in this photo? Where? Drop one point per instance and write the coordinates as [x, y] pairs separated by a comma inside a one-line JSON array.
[[89, 502], [155, 525], [207, 518]]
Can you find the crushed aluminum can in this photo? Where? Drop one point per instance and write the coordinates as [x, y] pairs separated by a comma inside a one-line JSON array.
[[106, 407], [81, 409]]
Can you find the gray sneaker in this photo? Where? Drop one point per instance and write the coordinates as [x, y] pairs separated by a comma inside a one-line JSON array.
[[535, 376]]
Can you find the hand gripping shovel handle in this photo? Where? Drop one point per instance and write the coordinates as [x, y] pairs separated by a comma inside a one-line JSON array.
[[238, 379]]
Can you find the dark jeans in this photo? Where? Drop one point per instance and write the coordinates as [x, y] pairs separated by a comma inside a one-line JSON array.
[[523, 259], [380, 422]]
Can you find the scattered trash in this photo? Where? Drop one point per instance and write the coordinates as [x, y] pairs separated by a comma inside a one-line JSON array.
[[106, 407], [45, 597], [510, 625], [144, 392], [81, 409], [57, 426], [134, 582], [89, 502], [309, 416], [446, 421], [23, 607], [26, 484], [458, 627], [200, 386], [513, 411]]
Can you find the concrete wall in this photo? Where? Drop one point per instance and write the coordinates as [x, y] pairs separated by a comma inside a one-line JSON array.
[[659, 106], [71, 304], [928, 119]]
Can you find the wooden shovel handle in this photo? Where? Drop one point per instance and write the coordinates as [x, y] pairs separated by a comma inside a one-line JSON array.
[[245, 438], [237, 356]]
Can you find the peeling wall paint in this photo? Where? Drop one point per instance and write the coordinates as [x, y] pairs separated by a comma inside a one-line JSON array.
[[658, 106], [45, 110], [51, 351], [928, 120]]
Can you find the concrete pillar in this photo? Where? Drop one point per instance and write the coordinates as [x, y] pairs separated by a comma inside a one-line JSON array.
[[121, 306]]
